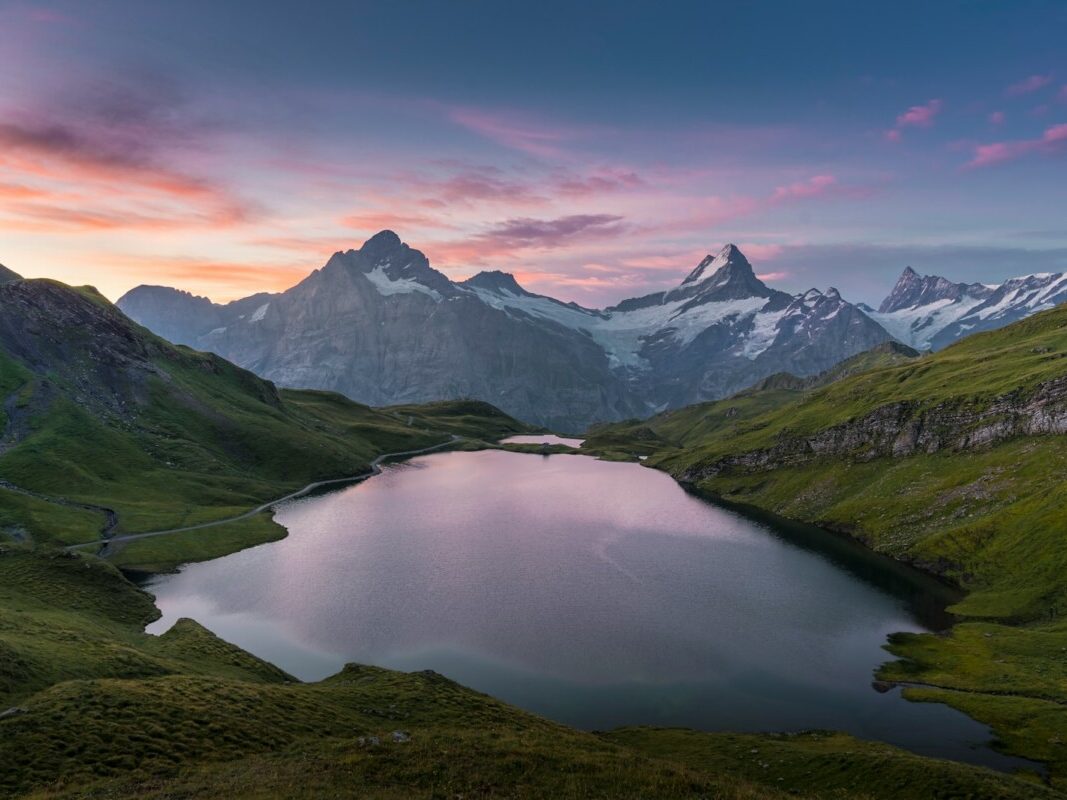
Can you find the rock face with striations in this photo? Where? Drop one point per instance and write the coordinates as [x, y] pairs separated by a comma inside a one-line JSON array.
[[380, 325], [904, 429]]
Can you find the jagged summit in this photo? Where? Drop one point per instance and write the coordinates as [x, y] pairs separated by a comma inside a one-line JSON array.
[[726, 276], [382, 244], [913, 289], [496, 281], [385, 258], [730, 262]]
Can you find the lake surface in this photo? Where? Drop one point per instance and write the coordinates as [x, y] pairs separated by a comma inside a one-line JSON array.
[[542, 438], [598, 594]]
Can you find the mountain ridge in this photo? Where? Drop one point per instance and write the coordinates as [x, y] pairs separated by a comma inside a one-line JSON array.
[[381, 325], [931, 312]]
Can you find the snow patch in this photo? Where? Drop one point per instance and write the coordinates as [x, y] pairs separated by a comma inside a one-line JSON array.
[[386, 286], [764, 332], [259, 313], [622, 334], [917, 327]]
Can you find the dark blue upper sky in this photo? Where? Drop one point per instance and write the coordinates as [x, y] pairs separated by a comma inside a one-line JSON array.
[[595, 149]]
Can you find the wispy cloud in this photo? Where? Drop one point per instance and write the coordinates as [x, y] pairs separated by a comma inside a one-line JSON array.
[[106, 160], [1028, 85], [517, 131], [919, 116], [521, 234], [815, 186], [1053, 141], [220, 279]]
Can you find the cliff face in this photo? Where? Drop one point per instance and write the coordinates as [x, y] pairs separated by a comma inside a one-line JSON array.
[[907, 428]]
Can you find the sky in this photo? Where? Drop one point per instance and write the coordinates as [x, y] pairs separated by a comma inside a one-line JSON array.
[[597, 150]]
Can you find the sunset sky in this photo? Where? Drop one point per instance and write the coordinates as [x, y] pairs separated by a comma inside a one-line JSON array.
[[596, 150]]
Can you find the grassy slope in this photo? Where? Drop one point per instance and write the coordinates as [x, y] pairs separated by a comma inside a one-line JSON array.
[[994, 519], [112, 712], [198, 439], [702, 422], [822, 763]]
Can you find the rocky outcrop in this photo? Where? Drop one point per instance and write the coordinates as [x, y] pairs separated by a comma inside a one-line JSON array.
[[902, 429]]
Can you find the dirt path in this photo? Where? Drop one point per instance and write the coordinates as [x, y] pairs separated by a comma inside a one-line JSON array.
[[375, 468]]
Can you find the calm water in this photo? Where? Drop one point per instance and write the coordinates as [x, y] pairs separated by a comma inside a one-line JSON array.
[[599, 594], [542, 438]]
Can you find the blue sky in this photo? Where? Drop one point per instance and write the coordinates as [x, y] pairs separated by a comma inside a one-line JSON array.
[[596, 150]]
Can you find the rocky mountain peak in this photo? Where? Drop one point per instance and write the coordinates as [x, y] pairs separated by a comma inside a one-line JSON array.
[[382, 245], [385, 257], [730, 263], [912, 290], [726, 276], [496, 281]]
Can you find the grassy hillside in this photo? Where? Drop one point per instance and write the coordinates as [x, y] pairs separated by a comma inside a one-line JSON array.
[[704, 422], [103, 710], [983, 502], [98, 411]]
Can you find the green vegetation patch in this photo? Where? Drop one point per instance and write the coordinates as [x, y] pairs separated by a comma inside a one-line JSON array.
[[828, 764], [167, 552]]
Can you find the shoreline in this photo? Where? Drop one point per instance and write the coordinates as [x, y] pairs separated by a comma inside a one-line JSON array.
[[375, 467]]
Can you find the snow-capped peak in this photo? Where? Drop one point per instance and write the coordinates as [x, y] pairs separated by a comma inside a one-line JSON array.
[[931, 311], [913, 290], [726, 276], [729, 261]]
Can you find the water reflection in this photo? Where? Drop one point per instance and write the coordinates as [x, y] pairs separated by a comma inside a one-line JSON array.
[[599, 594]]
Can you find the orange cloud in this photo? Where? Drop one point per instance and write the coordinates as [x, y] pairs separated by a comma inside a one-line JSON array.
[[220, 279], [81, 185]]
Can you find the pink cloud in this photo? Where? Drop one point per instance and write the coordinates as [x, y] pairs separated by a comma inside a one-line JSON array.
[[892, 135], [763, 252], [997, 118], [604, 181], [511, 130], [475, 185], [773, 276], [511, 237], [1028, 85], [812, 187], [1052, 141], [920, 116]]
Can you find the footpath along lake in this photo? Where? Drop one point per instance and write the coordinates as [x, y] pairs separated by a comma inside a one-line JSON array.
[[598, 594]]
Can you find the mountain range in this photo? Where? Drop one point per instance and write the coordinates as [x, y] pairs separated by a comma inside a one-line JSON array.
[[930, 312], [381, 325]]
